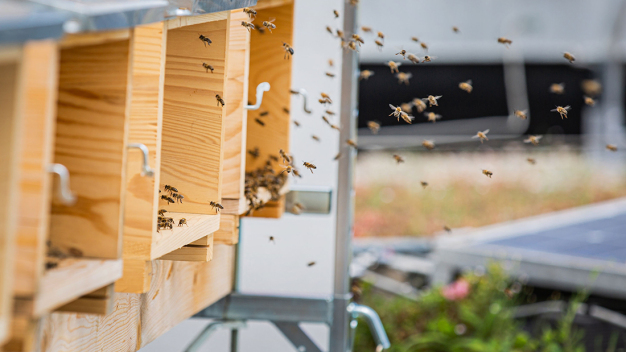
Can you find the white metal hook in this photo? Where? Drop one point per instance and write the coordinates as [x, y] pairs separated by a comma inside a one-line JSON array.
[[65, 193], [146, 170], [262, 87], [305, 95]]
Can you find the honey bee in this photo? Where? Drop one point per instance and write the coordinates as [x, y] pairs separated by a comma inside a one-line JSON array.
[[358, 39], [430, 145], [533, 139], [455, 29], [288, 51], [296, 172], [249, 26], [404, 77], [326, 120], [339, 33], [337, 156], [269, 25], [331, 113], [273, 157], [381, 35], [424, 184], [557, 88], [285, 156], [531, 161], [611, 147], [316, 138], [373, 126], [285, 110], [330, 74], [352, 46], [406, 106], [309, 166], [432, 116], [326, 96], [205, 40], [398, 158], [170, 189], [419, 104], [264, 113], [569, 57], [394, 66], [403, 53], [330, 30], [589, 101], [562, 111], [331, 63], [335, 127], [179, 197], [397, 112], [272, 239], [487, 173], [521, 114], [379, 45], [428, 58], [482, 135], [415, 39], [366, 29], [336, 13], [254, 152], [591, 87], [288, 169], [251, 13], [168, 199], [182, 222], [466, 86], [313, 263], [366, 74], [505, 41], [162, 212], [296, 123], [352, 143], [219, 100], [424, 46], [432, 100], [413, 58], [259, 122], [446, 228], [217, 206], [208, 67]]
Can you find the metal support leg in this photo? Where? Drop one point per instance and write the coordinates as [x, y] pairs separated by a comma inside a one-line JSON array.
[[210, 329], [298, 338]]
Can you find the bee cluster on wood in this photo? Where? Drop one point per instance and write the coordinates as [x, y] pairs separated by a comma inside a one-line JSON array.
[[55, 254], [172, 196], [207, 42]]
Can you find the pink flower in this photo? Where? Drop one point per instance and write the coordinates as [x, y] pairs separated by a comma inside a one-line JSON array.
[[456, 290]]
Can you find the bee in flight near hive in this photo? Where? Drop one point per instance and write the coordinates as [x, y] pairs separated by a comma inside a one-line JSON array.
[[589, 101], [394, 66], [591, 87], [182, 222], [285, 156], [205, 40], [403, 53], [336, 13], [533, 139], [373, 126], [326, 97], [326, 120], [557, 88], [249, 26], [424, 184], [379, 44], [309, 166], [428, 58], [217, 206], [397, 112], [466, 86], [398, 158], [296, 123], [562, 111], [415, 39], [432, 100], [446, 228], [208, 67], [531, 161], [288, 169], [254, 152], [288, 51], [331, 75], [340, 34], [455, 29], [482, 135], [219, 100], [521, 114], [358, 39], [352, 143], [611, 147], [330, 112], [352, 46], [424, 46], [406, 107], [430, 145], [269, 25], [251, 12], [569, 57], [366, 74], [313, 263], [419, 104], [337, 156], [259, 122], [335, 127], [505, 41], [413, 58], [366, 29], [487, 173], [330, 30], [381, 35], [432, 116], [404, 77], [316, 138]]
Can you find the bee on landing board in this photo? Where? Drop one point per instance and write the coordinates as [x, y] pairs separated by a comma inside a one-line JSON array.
[[569, 57], [162, 212], [179, 198], [208, 67], [309, 166], [533, 139], [373, 126], [589, 101], [205, 40], [521, 114], [269, 25], [219, 100], [170, 189], [432, 116], [430, 145], [182, 222], [482, 135], [254, 152], [487, 173], [217, 206], [366, 74], [432, 100], [397, 112], [562, 111], [505, 41], [557, 88], [168, 199], [404, 77], [394, 66], [398, 158], [288, 51], [259, 122], [466, 86], [251, 13], [249, 26], [611, 147]]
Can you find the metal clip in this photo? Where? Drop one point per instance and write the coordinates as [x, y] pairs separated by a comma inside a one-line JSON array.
[[305, 95], [146, 170], [65, 193], [262, 87], [373, 321]]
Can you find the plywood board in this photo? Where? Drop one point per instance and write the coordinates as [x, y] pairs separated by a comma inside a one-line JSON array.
[[193, 252], [198, 226]]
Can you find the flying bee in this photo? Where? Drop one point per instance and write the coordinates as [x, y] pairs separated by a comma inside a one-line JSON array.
[[219, 100], [336, 13], [455, 29], [259, 122], [273, 157], [296, 172], [432, 116], [424, 46], [432, 100], [521, 114], [182, 222], [313, 263], [286, 158], [217, 206], [331, 63], [557, 88], [272, 239], [394, 66], [296, 123], [337, 156], [287, 169], [205, 40], [403, 53], [531, 161], [398, 158], [589, 101], [170, 189], [419, 104], [562, 111], [162, 212], [611, 147], [285, 110], [331, 75], [329, 30], [413, 58], [366, 29], [415, 39], [379, 44], [335, 127], [428, 58], [326, 120], [316, 138], [261, 30], [505, 41], [591, 87], [168, 199], [446, 228], [340, 33], [373, 126], [254, 152], [326, 96], [533, 139], [249, 26], [352, 143], [487, 173], [288, 51], [381, 35], [430, 145], [251, 13], [569, 57], [397, 112], [366, 74], [424, 184], [331, 113], [269, 25], [482, 135], [404, 77], [208, 67], [180, 198], [351, 45], [358, 39], [466, 86], [406, 106], [325, 101], [309, 166]]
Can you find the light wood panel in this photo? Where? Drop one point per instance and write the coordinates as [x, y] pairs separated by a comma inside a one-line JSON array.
[[90, 142], [193, 252], [98, 302], [193, 132], [229, 230], [199, 226], [93, 38]]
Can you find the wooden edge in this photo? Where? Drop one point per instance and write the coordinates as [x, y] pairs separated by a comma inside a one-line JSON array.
[[234, 206], [189, 21], [98, 302], [229, 230], [92, 38], [193, 252], [198, 226], [10, 54], [264, 4], [136, 276], [22, 327], [72, 279]]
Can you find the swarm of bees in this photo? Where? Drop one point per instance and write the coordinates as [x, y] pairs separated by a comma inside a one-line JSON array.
[[172, 196]]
